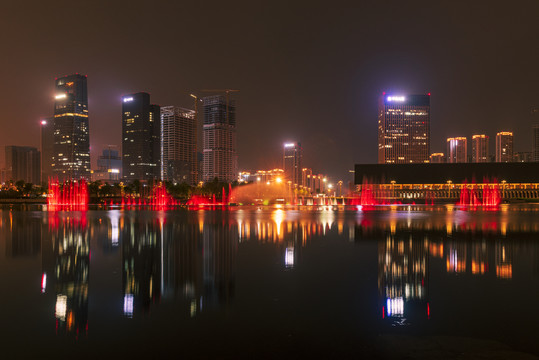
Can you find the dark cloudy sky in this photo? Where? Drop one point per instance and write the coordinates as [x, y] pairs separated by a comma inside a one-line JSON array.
[[309, 71]]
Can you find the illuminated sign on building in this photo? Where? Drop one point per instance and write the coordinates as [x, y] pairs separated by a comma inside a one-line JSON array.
[[60, 96], [288, 145], [128, 99], [396, 98]]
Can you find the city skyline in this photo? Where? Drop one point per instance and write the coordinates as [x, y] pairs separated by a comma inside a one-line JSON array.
[[299, 76]]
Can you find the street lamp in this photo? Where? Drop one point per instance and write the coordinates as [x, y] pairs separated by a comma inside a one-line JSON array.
[[449, 182], [503, 188], [393, 188]]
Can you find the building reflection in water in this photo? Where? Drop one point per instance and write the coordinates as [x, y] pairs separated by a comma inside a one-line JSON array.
[[66, 269], [192, 256], [403, 276]]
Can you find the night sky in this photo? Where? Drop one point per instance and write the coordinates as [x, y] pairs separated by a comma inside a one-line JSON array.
[[308, 71]]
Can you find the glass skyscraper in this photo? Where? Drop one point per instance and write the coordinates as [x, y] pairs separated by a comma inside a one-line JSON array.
[[403, 129], [219, 139], [140, 138], [71, 148]]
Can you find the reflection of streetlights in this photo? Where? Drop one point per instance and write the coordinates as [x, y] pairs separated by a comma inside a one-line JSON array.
[[449, 182]]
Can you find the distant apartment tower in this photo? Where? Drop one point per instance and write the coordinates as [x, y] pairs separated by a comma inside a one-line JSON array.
[[535, 155], [292, 156], [504, 146], [457, 150], [47, 148], [403, 129], [71, 149], [140, 138], [219, 139], [306, 174], [178, 145], [22, 163], [437, 158], [480, 148], [109, 166], [523, 156]]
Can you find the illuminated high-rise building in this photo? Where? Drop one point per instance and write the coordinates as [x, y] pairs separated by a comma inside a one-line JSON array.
[[403, 129], [480, 148], [47, 148], [178, 145], [292, 154], [437, 158], [141, 128], [71, 149], [457, 150], [219, 139], [504, 146]]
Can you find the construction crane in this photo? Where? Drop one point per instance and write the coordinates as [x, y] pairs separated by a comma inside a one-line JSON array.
[[227, 92]]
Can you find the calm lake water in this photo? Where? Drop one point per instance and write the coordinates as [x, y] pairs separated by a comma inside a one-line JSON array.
[[265, 283]]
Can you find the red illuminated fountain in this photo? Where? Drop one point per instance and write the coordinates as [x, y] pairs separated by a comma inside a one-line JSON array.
[[470, 195], [68, 195]]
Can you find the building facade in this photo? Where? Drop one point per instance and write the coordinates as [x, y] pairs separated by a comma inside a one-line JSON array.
[[22, 163], [480, 148], [179, 145], [141, 146], [457, 150], [109, 166], [292, 156], [219, 139], [504, 146], [437, 158], [71, 148], [535, 154], [403, 129]]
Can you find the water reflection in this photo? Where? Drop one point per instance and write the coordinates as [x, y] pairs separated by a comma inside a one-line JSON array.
[[191, 259], [66, 270]]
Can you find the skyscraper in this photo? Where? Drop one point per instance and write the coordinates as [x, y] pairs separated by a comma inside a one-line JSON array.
[[480, 148], [403, 129], [71, 149], [22, 163], [47, 148], [140, 138], [178, 145], [457, 150], [292, 154], [504, 146], [219, 139]]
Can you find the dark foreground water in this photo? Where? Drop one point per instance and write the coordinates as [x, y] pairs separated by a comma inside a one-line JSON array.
[[270, 283]]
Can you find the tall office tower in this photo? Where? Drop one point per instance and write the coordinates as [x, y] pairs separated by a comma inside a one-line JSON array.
[[457, 150], [504, 146], [141, 146], [219, 139], [178, 145], [47, 148], [292, 154], [403, 129], [480, 148], [535, 155], [437, 158], [71, 149], [22, 163]]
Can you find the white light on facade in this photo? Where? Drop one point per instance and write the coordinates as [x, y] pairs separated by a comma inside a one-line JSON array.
[[128, 99]]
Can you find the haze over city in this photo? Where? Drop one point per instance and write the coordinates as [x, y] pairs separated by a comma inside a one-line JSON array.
[[310, 73]]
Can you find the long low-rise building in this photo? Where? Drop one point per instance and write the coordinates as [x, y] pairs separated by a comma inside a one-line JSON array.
[[513, 180]]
